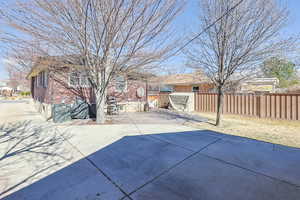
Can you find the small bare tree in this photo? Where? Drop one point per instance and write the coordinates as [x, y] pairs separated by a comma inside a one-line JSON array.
[[109, 36], [18, 62], [232, 48]]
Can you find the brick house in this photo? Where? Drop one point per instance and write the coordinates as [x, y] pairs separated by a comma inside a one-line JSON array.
[[47, 90]]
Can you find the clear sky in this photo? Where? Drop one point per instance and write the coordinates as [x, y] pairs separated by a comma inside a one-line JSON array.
[[188, 20]]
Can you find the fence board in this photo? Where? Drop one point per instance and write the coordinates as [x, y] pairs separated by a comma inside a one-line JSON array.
[[278, 105], [262, 107], [298, 107], [288, 107], [294, 107], [268, 106], [273, 106], [282, 107]]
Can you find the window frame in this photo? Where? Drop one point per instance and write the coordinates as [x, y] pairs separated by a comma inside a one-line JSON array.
[[80, 75], [87, 84], [117, 82]]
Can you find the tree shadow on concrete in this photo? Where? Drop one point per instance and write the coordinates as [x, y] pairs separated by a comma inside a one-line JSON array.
[[32, 149], [125, 167]]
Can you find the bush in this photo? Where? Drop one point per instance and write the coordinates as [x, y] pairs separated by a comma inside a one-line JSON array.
[[25, 93]]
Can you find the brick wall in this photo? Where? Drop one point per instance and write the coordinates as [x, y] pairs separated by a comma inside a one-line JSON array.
[[59, 91]]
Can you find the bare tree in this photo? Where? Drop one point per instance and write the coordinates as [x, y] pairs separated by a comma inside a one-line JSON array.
[[16, 70], [232, 48], [108, 36]]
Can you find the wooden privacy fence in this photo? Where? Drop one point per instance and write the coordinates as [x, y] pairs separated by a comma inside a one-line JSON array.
[[275, 106]]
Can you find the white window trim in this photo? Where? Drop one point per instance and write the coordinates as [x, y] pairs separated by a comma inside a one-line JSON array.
[[46, 79]]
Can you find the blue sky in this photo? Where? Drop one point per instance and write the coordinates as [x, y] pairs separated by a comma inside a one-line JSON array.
[[188, 20]]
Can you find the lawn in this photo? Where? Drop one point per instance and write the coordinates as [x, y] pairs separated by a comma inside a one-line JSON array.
[[275, 131]]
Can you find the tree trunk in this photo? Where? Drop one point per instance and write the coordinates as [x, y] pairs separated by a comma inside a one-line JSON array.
[[219, 105], [100, 105]]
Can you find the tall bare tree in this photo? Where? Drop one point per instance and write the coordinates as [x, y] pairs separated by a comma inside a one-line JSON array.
[[109, 36], [232, 48]]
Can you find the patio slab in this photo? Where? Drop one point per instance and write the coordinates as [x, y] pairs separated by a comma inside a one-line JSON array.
[[200, 177], [161, 116], [79, 181], [278, 162], [134, 160], [89, 139], [192, 140]]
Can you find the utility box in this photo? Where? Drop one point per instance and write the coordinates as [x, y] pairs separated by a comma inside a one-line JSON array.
[[61, 113]]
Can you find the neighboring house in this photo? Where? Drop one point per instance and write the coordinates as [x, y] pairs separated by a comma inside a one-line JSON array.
[[198, 82], [5, 90], [259, 85], [193, 82], [47, 90], [178, 90], [3, 84]]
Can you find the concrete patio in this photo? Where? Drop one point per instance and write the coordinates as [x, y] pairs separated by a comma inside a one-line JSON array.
[[161, 159], [180, 165]]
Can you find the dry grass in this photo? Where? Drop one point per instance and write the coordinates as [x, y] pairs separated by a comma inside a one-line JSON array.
[[274, 131]]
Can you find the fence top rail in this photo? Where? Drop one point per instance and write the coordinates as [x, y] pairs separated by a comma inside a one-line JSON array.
[[284, 94], [250, 94]]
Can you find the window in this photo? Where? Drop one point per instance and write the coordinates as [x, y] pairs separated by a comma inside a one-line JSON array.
[[195, 88], [42, 79], [121, 84], [84, 80], [74, 79], [78, 79], [166, 88]]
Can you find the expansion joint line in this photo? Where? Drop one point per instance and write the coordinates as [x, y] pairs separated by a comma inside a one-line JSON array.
[[98, 169]]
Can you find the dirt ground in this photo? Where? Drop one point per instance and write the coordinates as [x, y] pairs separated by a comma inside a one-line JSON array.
[[274, 131]]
